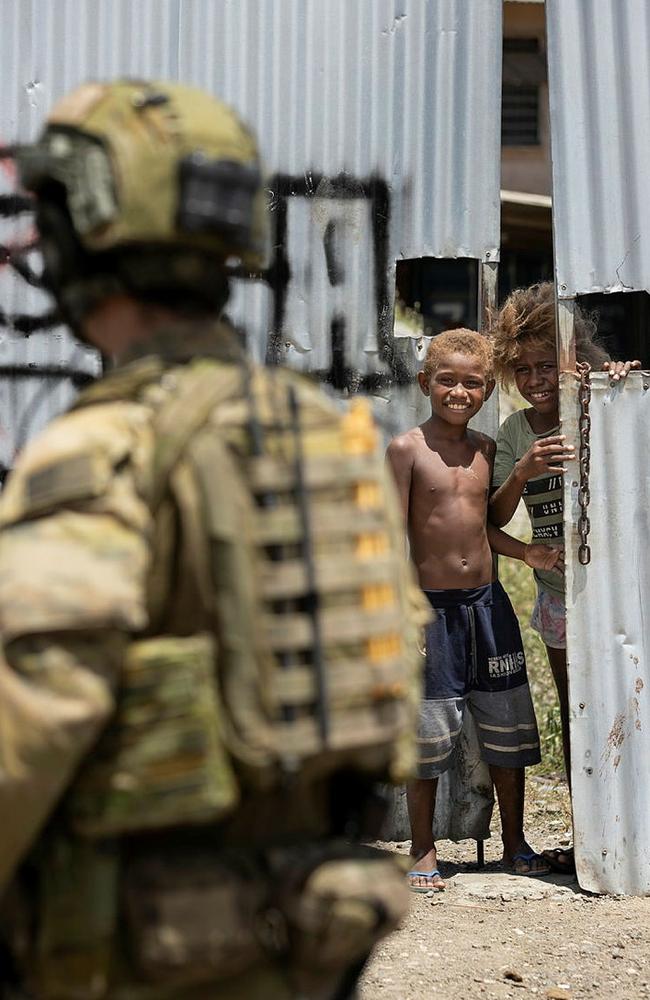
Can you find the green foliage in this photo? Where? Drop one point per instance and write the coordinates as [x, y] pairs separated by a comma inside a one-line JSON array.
[[518, 580]]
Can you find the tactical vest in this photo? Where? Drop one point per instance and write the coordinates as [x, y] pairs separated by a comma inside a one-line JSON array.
[[307, 663], [282, 650]]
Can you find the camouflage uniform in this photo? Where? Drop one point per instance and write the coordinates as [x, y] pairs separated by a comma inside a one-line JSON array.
[[202, 849]]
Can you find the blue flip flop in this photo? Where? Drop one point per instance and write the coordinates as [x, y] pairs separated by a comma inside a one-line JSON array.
[[426, 888], [528, 857]]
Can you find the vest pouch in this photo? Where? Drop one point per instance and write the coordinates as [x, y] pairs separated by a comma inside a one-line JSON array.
[[77, 917], [161, 762], [191, 916], [339, 913]]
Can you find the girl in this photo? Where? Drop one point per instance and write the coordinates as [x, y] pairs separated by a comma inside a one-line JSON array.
[[530, 459]]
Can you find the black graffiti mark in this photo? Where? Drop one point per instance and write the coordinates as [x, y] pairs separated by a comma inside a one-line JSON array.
[[46, 374], [380, 207], [26, 323], [278, 276], [16, 256], [341, 186], [342, 377], [282, 188], [14, 204], [312, 185], [19, 261], [338, 375], [335, 269], [77, 376]]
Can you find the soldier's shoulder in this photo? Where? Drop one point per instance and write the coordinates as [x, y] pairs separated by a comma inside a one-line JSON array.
[[75, 457]]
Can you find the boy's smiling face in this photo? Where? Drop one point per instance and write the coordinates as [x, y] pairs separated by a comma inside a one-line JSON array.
[[536, 378], [457, 387]]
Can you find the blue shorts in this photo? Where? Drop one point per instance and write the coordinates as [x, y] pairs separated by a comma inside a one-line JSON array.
[[475, 658]]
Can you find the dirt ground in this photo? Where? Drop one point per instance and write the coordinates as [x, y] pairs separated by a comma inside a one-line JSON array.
[[492, 935]]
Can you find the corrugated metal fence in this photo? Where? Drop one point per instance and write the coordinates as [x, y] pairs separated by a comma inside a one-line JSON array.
[[379, 124], [372, 117], [599, 91], [599, 83]]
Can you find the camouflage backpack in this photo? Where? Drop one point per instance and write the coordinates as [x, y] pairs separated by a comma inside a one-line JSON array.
[[291, 544]]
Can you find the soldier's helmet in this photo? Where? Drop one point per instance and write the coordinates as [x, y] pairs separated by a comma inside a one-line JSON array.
[[145, 187]]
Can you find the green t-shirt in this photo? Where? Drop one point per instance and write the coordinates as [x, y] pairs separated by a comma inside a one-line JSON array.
[[542, 495]]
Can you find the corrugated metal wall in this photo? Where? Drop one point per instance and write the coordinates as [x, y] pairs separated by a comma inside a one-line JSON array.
[[378, 122], [599, 83], [599, 90], [608, 637]]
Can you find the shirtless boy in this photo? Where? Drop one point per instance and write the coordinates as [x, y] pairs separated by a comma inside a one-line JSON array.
[[474, 656]]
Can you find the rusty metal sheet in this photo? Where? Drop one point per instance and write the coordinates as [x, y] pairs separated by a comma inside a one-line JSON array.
[[608, 639]]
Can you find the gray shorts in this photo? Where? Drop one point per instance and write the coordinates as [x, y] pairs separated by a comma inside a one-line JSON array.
[[475, 659]]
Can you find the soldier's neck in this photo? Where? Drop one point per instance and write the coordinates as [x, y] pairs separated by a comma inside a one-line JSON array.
[[120, 323]]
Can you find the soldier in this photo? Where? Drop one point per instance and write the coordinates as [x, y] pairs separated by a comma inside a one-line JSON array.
[[207, 623]]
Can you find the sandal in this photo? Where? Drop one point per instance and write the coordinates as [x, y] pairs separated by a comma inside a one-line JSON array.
[[529, 858], [561, 860], [437, 885]]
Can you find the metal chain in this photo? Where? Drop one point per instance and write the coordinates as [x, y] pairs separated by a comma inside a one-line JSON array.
[[584, 457]]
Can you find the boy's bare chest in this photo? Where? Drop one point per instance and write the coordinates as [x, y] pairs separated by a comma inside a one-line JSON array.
[[453, 475]]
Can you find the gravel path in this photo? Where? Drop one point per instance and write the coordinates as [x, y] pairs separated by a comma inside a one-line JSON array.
[[492, 935]]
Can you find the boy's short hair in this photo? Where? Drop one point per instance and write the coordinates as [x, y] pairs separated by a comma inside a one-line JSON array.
[[526, 321], [460, 341]]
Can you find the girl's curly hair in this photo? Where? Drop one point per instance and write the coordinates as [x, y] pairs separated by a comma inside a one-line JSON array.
[[460, 341], [526, 321]]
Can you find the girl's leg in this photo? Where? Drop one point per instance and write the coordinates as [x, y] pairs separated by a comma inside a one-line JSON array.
[[557, 661], [561, 859]]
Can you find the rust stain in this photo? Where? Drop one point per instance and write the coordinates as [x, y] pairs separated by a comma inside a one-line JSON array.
[[637, 724], [616, 733], [617, 760], [638, 687], [615, 738]]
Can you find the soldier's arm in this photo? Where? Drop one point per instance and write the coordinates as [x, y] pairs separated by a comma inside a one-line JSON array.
[[74, 557], [71, 596], [56, 695]]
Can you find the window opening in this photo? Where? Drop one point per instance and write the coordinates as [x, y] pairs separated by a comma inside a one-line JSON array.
[[435, 294], [623, 321], [524, 69]]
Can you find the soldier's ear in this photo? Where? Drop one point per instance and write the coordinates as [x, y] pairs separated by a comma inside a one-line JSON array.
[[489, 389]]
